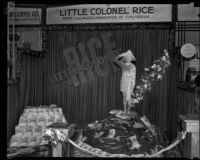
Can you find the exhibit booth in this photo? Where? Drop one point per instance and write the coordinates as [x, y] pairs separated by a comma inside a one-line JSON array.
[[62, 77]]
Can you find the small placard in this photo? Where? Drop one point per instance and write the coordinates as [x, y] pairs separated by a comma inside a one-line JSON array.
[[188, 50]]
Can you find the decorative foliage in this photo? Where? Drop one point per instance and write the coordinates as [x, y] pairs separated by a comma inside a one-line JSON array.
[[44, 42], [19, 70], [105, 27], [41, 54], [21, 51], [171, 39], [154, 73], [56, 136]]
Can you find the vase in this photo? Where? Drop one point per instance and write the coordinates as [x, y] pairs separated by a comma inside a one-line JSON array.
[[57, 150]]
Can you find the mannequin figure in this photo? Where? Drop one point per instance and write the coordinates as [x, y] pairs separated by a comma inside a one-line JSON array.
[[128, 77]]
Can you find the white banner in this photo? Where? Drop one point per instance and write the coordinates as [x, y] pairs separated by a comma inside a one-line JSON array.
[[24, 16], [117, 13]]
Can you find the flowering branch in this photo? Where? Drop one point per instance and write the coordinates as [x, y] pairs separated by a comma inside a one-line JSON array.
[[55, 136], [154, 73]]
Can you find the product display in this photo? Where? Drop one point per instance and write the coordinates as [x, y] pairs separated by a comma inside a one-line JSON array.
[[131, 136], [32, 124]]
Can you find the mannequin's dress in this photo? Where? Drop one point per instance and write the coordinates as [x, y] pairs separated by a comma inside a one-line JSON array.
[[128, 80]]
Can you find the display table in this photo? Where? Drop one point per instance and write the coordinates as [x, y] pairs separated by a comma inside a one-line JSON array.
[[190, 123], [55, 147]]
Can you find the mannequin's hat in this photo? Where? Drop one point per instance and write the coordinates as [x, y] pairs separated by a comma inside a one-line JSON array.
[[128, 54]]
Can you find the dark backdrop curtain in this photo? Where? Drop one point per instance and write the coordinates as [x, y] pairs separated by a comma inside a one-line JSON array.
[[93, 100], [29, 91]]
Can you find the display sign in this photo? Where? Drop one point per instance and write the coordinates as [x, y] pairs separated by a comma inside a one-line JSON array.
[[115, 13], [187, 12], [188, 50], [83, 64], [24, 16]]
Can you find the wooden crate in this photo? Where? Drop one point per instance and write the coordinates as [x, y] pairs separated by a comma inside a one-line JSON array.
[[190, 124]]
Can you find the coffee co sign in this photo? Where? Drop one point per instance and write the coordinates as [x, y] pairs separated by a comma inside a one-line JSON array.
[[24, 16], [109, 13]]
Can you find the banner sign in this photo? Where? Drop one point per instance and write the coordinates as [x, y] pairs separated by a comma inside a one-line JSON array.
[[109, 13], [24, 16]]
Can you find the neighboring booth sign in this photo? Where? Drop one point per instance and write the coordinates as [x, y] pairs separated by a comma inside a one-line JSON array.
[[187, 12], [115, 13], [24, 16], [34, 43], [188, 50]]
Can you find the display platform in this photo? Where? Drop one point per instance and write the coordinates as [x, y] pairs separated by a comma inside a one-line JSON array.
[[122, 135]]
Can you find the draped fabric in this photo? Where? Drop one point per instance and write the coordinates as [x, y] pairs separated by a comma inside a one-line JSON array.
[[93, 100]]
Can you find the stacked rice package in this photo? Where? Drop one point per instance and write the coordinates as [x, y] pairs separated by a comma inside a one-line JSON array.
[[32, 124]]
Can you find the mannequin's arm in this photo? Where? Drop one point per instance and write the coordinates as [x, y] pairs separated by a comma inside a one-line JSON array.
[[117, 61]]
